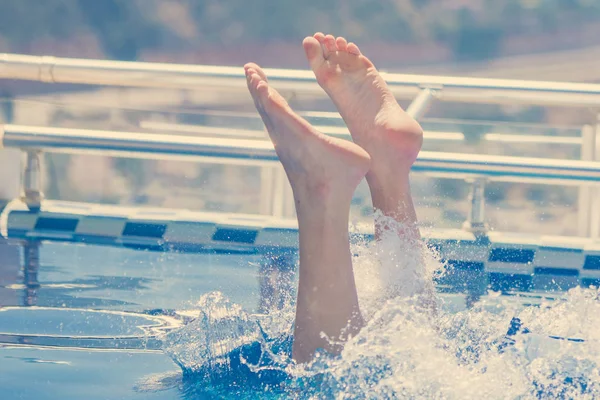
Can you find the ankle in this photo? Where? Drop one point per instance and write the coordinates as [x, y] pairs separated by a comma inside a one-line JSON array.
[[389, 183], [322, 194], [391, 196]]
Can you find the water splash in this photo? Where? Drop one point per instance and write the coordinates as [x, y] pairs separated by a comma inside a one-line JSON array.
[[226, 350], [405, 350], [397, 265]]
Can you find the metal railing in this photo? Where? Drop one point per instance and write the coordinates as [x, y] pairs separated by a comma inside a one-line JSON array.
[[140, 74], [159, 146], [586, 141], [427, 89], [219, 131], [33, 140]]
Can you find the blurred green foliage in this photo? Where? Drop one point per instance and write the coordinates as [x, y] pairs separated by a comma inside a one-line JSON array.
[[473, 29]]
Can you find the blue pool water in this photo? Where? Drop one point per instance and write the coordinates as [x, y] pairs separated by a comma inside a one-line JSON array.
[[100, 322], [50, 348]]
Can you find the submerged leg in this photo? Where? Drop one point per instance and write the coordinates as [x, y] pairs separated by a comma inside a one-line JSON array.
[[323, 173], [378, 124]]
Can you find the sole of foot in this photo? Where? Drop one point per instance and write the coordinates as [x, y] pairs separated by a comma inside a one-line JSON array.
[[376, 121], [319, 167]]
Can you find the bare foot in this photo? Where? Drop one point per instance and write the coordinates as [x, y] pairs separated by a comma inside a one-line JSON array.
[[324, 173], [319, 167], [377, 123]]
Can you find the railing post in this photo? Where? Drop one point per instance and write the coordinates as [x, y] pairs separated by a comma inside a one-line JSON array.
[[476, 219], [266, 190], [289, 206], [279, 180], [585, 203], [419, 105], [32, 181]]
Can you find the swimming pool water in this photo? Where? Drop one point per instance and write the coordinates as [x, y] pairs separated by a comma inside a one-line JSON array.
[[129, 284], [90, 323]]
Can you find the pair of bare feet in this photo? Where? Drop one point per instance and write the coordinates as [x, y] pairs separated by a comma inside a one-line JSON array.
[[386, 140], [324, 172]]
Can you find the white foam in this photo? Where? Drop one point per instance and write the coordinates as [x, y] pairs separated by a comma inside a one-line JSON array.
[[408, 351]]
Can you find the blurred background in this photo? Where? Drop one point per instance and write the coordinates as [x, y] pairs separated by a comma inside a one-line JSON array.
[[523, 39]]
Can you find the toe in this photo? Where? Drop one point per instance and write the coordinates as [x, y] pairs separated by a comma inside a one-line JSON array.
[[257, 69], [341, 43], [260, 92], [262, 88], [320, 37], [313, 51], [353, 49], [250, 73], [255, 80], [330, 45]]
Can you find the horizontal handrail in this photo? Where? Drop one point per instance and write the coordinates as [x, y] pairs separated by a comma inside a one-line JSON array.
[[529, 139], [129, 144], [310, 115], [143, 74], [341, 131], [219, 131]]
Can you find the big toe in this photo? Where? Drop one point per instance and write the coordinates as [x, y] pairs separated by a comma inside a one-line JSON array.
[[313, 50]]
